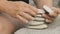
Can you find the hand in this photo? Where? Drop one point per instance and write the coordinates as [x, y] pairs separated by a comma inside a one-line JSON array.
[[50, 18], [22, 11]]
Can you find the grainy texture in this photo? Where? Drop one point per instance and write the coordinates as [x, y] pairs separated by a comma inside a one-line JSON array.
[[53, 28]]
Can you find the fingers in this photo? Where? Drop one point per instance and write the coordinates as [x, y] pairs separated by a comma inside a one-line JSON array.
[[30, 7], [29, 11], [23, 20], [48, 21], [33, 9], [26, 16], [57, 10], [47, 17], [53, 14]]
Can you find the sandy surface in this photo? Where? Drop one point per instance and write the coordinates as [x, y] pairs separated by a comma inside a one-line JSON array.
[[53, 28]]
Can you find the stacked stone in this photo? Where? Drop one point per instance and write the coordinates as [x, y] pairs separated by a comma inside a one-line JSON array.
[[39, 22]]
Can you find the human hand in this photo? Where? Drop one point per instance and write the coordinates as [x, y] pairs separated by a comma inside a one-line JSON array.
[[21, 11], [51, 16]]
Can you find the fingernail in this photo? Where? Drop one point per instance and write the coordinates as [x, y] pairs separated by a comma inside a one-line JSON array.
[[48, 9]]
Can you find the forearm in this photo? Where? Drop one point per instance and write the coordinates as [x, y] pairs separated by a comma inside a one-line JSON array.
[[40, 3]]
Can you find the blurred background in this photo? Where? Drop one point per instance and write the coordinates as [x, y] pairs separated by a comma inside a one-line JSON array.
[[55, 2]]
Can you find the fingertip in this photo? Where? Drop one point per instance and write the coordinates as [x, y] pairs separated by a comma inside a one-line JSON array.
[[43, 15], [48, 21], [53, 14]]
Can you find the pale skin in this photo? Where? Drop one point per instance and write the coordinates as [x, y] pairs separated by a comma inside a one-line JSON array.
[[41, 3], [8, 27], [17, 10]]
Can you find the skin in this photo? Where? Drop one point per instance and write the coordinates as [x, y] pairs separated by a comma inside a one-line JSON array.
[[18, 13], [15, 9], [56, 11], [8, 25], [40, 3]]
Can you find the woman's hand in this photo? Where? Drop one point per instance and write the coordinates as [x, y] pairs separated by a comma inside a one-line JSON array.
[[50, 18], [21, 10]]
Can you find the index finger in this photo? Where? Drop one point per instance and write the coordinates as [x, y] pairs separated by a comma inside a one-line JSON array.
[[33, 8]]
